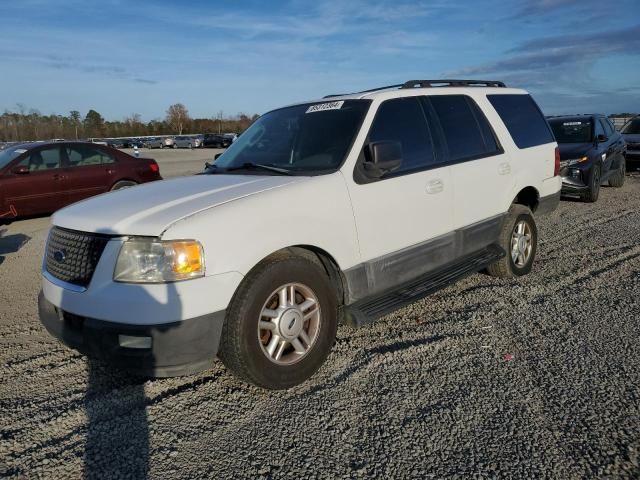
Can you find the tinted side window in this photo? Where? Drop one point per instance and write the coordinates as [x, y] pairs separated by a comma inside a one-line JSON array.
[[81, 155], [599, 127], [523, 119], [402, 120], [466, 130], [46, 159], [608, 130]]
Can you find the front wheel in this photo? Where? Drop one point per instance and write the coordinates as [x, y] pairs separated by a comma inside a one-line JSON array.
[[519, 239], [281, 323], [595, 179]]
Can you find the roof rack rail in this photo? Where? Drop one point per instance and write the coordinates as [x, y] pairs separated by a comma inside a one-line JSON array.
[[366, 91], [452, 83], [430, 83]]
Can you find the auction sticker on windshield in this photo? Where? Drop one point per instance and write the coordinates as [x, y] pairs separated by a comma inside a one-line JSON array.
[[321, 107]]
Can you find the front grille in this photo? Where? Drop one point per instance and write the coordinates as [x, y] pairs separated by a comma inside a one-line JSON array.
[[72, 256]]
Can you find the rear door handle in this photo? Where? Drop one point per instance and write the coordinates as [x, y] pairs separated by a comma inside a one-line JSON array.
[[504, 168], [57, 176], [435, 186]]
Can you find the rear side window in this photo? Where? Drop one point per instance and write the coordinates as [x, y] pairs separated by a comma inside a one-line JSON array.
[[81, 156], [466, 130], [402, 120], [523, 119]]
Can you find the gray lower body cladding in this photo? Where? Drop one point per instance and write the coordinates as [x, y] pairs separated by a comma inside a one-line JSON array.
[[389, 271]]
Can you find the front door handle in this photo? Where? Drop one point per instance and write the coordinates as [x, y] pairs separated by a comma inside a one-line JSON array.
[[435, 186], [504, 168]]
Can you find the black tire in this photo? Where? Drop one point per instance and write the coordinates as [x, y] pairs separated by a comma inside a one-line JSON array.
[[617, 180], [506, 267], [161, 146], [240, 348], [595, 178], [123, 184], [175, 145]]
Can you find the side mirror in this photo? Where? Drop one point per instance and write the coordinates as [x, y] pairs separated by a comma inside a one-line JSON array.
[[601, 138], [216, 156], [21, 170], [382, 158]]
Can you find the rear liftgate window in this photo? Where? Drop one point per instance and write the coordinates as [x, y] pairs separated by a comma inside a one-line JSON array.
[[523, 119]]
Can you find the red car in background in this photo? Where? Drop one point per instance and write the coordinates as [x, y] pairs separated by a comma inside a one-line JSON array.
[[39, 178]]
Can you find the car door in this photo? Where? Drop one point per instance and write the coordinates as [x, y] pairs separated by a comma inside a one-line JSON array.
[[615, 144], [604, 148], [403, 219], [34, 183], [480, 169], [89, 170]]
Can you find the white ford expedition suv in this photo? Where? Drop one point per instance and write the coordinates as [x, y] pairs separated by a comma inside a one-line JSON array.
[[341, 209]]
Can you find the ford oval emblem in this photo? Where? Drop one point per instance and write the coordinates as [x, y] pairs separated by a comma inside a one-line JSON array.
[[60, 256]]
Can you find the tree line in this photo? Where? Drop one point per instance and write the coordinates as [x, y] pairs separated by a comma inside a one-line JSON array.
[[23, 124]]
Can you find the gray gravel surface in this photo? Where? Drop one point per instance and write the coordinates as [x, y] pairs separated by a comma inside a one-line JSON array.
[[534, 378]]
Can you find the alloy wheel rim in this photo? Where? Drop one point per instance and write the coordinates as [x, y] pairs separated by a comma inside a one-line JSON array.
[[289, 323], [521, 244]]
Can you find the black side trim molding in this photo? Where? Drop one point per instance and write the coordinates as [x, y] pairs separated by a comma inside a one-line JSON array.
[[377, 306], [389, 271], [548, 204]]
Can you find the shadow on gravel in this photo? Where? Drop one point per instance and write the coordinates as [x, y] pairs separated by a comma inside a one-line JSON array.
[[11, 243], [372, 353], [117, 444]]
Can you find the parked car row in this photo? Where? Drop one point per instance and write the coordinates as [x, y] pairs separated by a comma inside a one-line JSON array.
[[178, 141]]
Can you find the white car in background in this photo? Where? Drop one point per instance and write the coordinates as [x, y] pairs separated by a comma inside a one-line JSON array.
[[345, 208]]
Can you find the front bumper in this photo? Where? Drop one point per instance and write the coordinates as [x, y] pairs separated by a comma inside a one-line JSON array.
[[170, 349]]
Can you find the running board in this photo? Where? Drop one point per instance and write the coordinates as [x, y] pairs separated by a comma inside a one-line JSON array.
[[372, 308]]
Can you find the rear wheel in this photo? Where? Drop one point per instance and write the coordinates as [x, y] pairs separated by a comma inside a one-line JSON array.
[[123, 184], [594, 185], [519, 239], [281, 323], [617, 180]]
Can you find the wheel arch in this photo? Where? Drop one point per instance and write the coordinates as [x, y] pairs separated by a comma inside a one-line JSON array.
[[323, 259], [529, 197]]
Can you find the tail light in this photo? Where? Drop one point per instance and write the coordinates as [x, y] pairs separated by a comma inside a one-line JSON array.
[[154, 167], [556, 168]]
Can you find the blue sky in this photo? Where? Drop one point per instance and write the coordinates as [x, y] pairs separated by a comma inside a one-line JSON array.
[[120, 57]]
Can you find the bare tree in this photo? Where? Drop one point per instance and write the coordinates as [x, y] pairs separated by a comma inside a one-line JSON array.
[[177, 117]]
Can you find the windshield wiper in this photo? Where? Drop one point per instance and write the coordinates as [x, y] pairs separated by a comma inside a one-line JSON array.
[[259, 166]]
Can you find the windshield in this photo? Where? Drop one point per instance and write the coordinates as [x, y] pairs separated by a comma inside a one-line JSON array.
[[632, 128], [9, 154], [303, 139], [571, 130]]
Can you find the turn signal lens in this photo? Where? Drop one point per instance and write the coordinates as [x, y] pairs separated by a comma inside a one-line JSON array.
[[187, 257], [556, 168]]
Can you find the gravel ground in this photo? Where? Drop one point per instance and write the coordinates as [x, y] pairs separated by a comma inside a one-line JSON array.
[[535, 378]]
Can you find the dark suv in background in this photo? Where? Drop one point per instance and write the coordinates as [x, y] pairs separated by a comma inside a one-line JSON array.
[[631, 133], [213, 140], [591, 153]]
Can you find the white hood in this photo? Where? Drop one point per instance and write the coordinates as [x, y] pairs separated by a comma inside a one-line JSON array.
[[151, 208]]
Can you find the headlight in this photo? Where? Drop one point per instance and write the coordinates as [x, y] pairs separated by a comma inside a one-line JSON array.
[[149, 260], [573, 161]]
